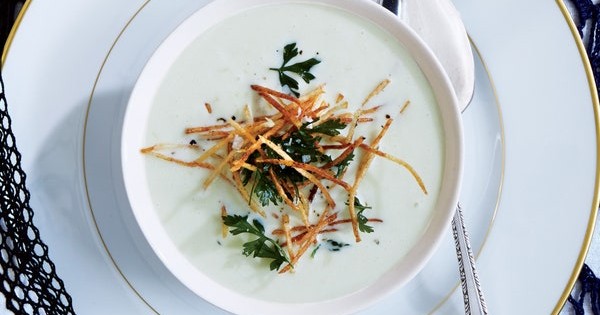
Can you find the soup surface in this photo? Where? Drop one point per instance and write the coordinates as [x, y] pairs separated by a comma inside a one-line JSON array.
[[218, 68]]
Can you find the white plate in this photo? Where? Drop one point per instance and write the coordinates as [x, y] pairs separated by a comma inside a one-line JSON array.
[[68, 56]]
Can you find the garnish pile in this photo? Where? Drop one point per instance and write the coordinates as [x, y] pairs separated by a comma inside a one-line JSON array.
[[305, 148]]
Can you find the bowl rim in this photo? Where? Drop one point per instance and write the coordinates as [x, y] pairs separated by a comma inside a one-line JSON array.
[[230, 300]]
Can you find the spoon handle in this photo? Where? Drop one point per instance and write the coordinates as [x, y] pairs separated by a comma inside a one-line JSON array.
[[451, 27], [471, 288]]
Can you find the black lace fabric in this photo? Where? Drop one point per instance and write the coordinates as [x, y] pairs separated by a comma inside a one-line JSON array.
[[9, 10], [30, 284]]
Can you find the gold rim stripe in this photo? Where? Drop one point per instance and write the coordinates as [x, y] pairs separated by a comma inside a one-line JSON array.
[[89, 201], [13, 30], [595, 202]]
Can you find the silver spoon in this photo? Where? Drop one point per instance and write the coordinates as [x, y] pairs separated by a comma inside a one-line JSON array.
[[438, 23]]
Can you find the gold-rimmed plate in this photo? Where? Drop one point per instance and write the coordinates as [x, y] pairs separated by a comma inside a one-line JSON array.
[[88, 62]]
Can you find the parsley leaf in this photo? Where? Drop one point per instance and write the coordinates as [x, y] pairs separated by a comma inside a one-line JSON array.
[[302, 145], [302, 69], [314, 251], [343, 165], [330, 127], [264, 188], [289, 51], [362, 220], [262, 185], [263, 246]]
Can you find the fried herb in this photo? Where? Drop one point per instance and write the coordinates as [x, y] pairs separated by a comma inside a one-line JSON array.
[[263, 246], [302, 69]]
